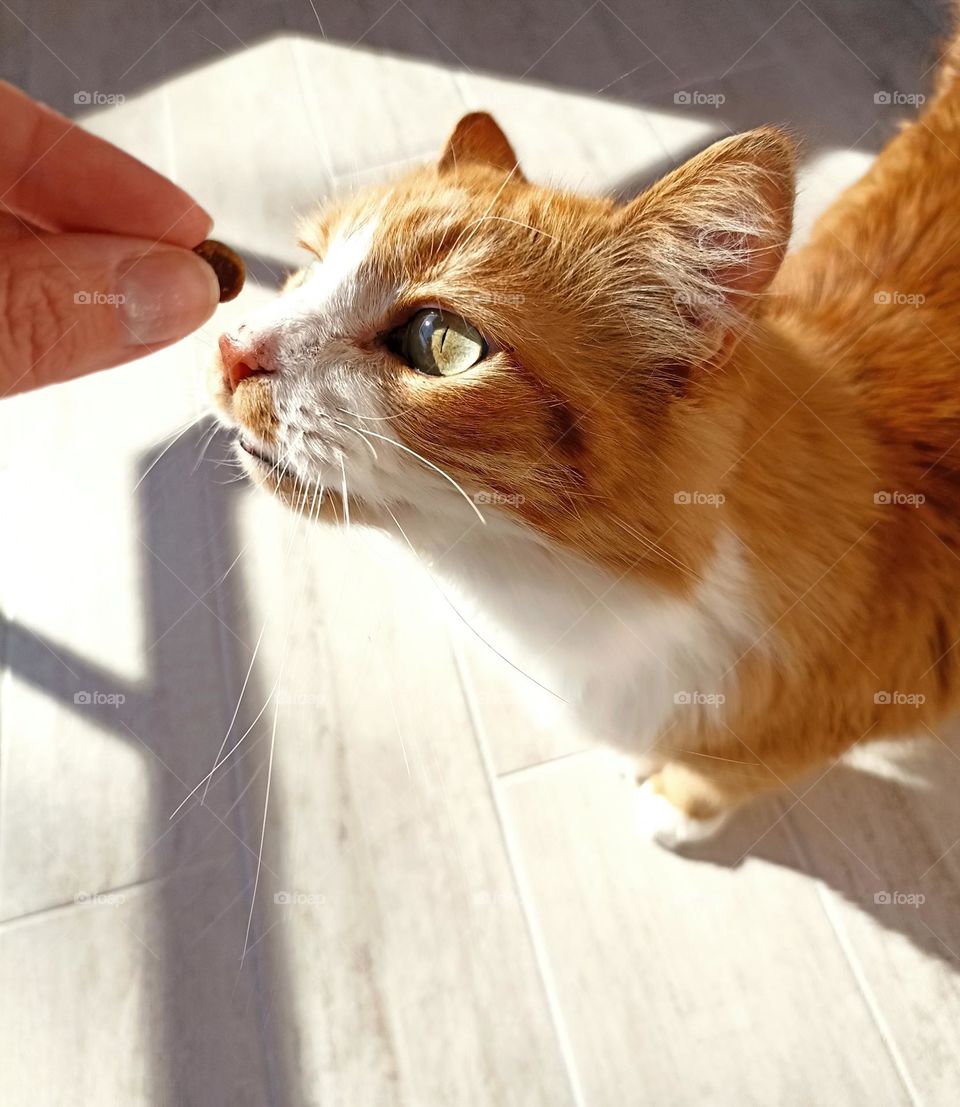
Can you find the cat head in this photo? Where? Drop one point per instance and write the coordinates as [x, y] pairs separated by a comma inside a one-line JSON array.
[[471, 347]]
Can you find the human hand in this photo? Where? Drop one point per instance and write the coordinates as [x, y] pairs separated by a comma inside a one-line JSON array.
[[95, 261]]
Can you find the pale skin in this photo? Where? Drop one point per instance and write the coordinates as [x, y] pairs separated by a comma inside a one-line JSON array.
[[96, 266]]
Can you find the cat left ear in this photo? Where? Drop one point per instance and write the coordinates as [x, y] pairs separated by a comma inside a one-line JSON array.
[[713, 233], [478, 140]]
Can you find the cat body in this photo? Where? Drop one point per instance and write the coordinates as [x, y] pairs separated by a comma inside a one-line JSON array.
[[705, 495]]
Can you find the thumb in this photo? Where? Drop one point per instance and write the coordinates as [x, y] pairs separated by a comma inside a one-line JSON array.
[[70, 304]]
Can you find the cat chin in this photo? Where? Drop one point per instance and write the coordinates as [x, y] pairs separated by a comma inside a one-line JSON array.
[[254, 457], [425, 531]]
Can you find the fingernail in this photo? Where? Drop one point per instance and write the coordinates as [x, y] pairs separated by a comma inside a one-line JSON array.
[[166, 294], [209, 218]]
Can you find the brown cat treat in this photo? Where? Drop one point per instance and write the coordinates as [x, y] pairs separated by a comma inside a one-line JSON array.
[[226, 263], [707, 494]]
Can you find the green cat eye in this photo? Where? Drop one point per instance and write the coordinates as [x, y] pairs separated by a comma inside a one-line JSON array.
[[438, 343]]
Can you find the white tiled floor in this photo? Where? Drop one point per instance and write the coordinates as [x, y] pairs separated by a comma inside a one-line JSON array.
[[452, 907]]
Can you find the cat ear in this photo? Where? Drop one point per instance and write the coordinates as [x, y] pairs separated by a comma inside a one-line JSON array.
[[477, 139], [715, 231]]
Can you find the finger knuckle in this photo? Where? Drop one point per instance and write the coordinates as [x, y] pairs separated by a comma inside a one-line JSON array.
[[37, 315]]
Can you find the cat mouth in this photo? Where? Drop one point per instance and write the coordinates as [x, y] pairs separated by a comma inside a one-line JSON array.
[[254, 451]]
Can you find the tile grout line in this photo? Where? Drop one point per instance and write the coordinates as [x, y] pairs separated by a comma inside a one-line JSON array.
[[524, 895], [54, 910], [856, 970], [548, 763], [869, 999]]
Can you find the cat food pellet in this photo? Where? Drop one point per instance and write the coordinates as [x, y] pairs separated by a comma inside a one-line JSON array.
[[226, 263]]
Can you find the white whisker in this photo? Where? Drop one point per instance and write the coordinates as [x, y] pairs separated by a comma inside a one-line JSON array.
[[374, 418], [204, 446], [263, 828], [366, 441], [226, 757], [343, 493], [177, 435], [462, 618], [413, 453], [317, 502], [220, 757]]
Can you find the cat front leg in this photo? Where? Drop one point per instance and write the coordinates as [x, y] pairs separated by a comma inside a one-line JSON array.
[[682, 803], [664, 810]]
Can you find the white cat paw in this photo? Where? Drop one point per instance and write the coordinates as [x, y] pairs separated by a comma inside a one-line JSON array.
[[635, 767], [658, 819]]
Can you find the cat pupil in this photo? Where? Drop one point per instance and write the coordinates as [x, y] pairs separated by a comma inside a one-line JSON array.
[[439, 343]]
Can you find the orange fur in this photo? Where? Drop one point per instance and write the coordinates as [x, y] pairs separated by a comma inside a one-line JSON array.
[[661, 348]]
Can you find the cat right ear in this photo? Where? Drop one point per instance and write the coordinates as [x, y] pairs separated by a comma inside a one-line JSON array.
[[478, 140]]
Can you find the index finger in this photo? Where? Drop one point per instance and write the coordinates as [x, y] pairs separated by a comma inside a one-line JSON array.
[[63, 178]]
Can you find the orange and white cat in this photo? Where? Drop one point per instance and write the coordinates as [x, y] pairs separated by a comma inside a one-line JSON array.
[[709, 495]]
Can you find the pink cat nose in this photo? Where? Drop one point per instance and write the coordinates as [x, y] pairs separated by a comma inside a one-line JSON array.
[[241, 359]]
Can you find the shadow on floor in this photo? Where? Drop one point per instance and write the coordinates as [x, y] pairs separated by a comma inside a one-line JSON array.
[[218, 1020], [218, 1039], [216, 1034], [815, 67], [889, 847]]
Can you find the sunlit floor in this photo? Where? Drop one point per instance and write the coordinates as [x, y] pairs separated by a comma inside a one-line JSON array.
[[452, 906]]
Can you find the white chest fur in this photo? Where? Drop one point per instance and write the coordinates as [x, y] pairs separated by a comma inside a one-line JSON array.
[[627, 658]]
